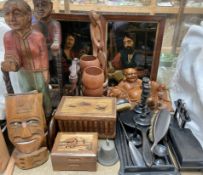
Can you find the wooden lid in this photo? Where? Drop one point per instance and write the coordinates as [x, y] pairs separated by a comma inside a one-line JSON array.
[[77, 144], [80, 107]]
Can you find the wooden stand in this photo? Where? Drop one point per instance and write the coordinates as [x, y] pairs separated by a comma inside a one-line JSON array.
[[34, 159]]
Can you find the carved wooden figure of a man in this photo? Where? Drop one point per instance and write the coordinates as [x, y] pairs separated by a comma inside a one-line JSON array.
[[131, 88], [26, 51], [52, 31], [97, 31]]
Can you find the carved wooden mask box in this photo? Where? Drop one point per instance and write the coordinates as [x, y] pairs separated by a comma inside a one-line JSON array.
[[75, 151], [87, 114]]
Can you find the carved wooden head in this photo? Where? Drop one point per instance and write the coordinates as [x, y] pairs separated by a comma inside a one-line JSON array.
[[94, 17], [42, 8], [17, 14], [25, 121], [131, 74]]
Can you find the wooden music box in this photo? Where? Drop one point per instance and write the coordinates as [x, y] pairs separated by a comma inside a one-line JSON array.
[[87, 114], [75, 151]]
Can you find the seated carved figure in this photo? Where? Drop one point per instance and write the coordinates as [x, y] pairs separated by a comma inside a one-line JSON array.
[[131, 88]]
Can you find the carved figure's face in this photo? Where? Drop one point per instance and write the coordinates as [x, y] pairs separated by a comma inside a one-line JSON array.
[[42, 8], [70, 41], [26, 133], [15, 17], [131, 74], [94, 17]]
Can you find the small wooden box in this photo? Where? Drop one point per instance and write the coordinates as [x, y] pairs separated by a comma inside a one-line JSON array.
[[87, 114], [75, 151]]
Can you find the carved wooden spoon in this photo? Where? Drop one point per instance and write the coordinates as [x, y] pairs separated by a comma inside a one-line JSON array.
[[160, 127], [146, 151]]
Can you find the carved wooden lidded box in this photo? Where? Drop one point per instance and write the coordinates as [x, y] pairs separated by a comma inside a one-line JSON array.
[[75, 151], [87, 114]]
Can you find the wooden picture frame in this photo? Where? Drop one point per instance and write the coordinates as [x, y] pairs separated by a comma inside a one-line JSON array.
[[159, 22]]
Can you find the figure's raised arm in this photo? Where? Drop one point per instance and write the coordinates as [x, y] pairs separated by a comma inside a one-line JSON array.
[[11, 58]]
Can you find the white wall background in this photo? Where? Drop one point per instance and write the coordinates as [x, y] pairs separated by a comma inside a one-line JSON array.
[[4, 28]]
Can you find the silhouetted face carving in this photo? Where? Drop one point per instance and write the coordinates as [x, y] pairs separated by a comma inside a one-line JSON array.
[[42, 8]]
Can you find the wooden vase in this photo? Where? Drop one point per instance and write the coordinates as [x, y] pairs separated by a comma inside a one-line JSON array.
[[87, 61], [93, 77]]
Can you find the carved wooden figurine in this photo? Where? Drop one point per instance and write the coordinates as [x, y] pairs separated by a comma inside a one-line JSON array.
[[52, 32], [98, 31], [131, 88], [26, 125], [26, 51]]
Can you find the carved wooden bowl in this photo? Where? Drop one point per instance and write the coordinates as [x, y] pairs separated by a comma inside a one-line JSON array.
[[87, 61], [93, 77]]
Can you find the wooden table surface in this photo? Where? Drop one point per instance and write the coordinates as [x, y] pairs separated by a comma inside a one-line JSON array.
[[46, 169]]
